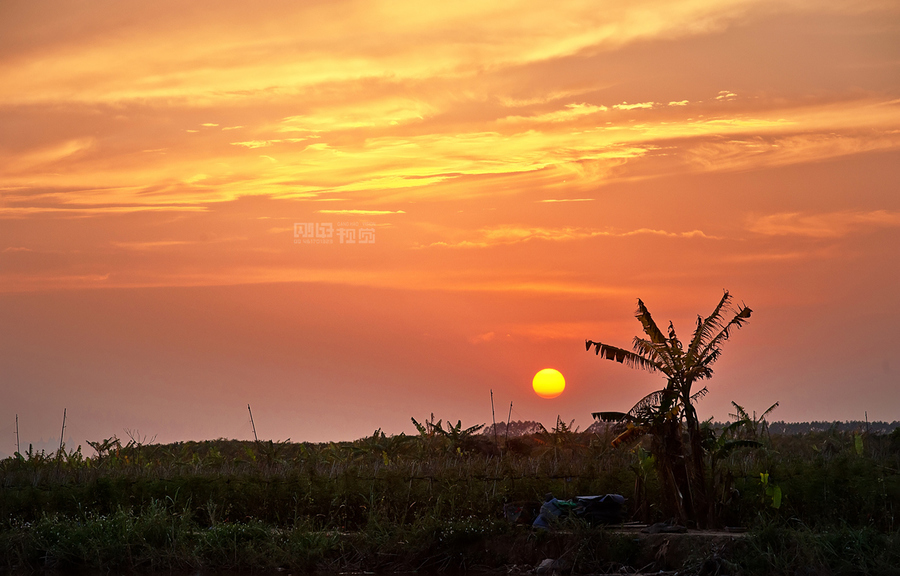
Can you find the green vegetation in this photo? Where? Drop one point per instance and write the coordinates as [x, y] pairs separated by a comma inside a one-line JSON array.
[[433, 501]]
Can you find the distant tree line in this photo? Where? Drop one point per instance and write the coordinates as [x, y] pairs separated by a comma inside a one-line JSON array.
[[876, 427]]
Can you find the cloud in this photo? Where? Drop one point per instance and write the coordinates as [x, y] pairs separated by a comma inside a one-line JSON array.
[[504, 235], [551, 330], [497, 281], [85, 211], [538, 331], [638, 106], [151, 245], [253, 143], [482, 338], [571, 112], [398, 119], [232, 52], [375, 113], [825, 225], [409, 165], [47, 154], [690, 234], [767, 257], [366, 212], [264, 143], [550, 96], [16, 283], [549, 200], [766, 150]]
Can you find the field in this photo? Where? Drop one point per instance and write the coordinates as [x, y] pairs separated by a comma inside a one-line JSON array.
[[820, 502]]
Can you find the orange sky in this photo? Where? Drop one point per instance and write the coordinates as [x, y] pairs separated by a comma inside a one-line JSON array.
[[528, 170]]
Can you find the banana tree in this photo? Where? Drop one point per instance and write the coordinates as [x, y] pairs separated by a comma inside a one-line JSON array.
[[668, 415], [454, 437]]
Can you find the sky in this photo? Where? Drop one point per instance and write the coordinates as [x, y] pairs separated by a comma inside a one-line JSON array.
[[347, 214]]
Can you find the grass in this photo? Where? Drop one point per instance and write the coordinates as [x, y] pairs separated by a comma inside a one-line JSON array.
[[791, 548], [430, 502]]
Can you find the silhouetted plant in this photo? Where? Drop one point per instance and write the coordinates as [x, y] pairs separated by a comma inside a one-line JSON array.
[[455, 439], [669, 415]]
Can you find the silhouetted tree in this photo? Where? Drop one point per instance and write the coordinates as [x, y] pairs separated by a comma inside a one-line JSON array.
[[668, 415]]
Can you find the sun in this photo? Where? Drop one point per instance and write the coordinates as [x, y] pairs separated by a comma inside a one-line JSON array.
[[548, 383]]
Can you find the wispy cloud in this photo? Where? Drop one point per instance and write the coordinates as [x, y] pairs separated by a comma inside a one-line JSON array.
[[46, 155], [824, 225], [482, 338], [86, 211], [651, 231], [569, 113], [550, 330], [299, 54], [638, 106], [501, 282], [504, 235], [253, 143], [537, 331], [263, 143], [151, 245], [376, 113], [362, 212], [779, 150]]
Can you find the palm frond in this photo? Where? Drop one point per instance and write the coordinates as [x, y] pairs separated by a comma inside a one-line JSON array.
[[731, 427], [699, 372], [764, 414], [710, 351], [699, 368], [610, 416], [419, 427], [699, 394], [630, 433], [651, 405], [622, 356], [708, 326], [740, 412], [674, 342], [650, 327], [731, 445], [658, 353]]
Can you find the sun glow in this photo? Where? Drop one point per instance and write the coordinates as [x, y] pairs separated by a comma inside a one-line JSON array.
[[548, 383]]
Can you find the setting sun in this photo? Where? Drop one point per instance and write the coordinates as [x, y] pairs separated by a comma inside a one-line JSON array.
[[548, 383]]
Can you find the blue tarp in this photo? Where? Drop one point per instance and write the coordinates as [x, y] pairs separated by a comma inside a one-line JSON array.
[[605, 509]]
